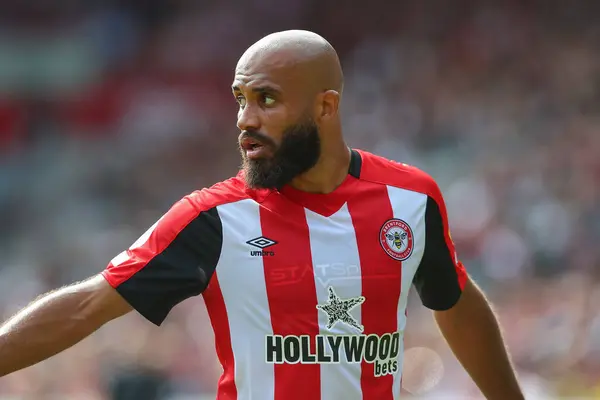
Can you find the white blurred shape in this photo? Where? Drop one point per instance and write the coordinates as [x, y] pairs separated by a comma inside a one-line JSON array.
[[549, 226], [470, 206], [504, 254], [423, 370], [535, 388]]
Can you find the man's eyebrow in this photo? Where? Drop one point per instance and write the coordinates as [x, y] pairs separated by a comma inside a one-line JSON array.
[[266, 89]]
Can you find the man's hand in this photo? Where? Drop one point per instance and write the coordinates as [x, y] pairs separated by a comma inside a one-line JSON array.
[[57, 321], [472, 331]]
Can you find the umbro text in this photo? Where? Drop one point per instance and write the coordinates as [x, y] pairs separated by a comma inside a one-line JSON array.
[[262, 253]]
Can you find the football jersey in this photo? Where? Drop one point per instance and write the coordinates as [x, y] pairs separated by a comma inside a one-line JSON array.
[[306, 293]]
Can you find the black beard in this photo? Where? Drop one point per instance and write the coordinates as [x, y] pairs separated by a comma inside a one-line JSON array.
[[298, 152]]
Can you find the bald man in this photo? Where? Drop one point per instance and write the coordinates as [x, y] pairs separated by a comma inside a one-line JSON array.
[[304, 259]]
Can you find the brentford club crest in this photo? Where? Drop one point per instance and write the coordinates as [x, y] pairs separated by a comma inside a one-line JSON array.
[[396, 239]]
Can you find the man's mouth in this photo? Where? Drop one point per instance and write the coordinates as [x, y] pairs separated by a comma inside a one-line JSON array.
[[254, 148], [249, 144]]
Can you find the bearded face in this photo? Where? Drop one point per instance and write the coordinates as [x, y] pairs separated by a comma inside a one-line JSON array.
[[268, 165]]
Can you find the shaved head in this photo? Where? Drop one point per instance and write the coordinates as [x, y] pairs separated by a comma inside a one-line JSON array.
[[288, 86], [309, 55]]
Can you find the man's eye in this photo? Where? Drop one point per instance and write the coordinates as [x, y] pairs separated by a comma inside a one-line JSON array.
[[268, 100], [241, 101]]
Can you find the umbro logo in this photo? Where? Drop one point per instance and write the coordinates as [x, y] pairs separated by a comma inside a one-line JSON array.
[[262, 243]]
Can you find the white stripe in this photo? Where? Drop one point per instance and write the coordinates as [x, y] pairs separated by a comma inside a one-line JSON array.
[[410, 207], [242, 282], [336, 263]]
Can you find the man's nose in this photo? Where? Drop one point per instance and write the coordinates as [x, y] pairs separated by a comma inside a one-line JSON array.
[[248, 119]]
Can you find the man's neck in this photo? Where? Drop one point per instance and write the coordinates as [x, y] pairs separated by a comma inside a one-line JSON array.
[[329, 172]]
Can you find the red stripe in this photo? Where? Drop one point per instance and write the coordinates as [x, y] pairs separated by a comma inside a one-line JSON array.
[[215, 305], [381, 279], [291, 293]]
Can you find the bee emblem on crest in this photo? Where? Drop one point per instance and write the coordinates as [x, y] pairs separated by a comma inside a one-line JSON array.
[[397, 238]]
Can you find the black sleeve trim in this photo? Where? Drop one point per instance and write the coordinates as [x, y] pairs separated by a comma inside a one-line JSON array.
[[181, 271], [355, 164], [436, 279]]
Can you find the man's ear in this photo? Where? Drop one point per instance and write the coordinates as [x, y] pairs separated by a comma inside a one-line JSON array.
[[327, 105]]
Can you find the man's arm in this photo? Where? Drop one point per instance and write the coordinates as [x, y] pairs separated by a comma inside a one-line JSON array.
[[172, 261], [460, 308], [57, 321], [473, 334]]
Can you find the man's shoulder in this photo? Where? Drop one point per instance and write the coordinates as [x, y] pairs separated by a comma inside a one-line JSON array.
[[201, 205], [378, 169], [228, 191]]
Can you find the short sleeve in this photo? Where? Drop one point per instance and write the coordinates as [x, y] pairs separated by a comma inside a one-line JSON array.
[[440, 277], [172, 261]]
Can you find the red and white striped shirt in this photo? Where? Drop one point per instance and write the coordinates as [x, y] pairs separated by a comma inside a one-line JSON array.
[[306, 292]]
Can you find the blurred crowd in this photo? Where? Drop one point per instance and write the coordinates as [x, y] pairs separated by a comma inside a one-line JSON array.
[[110, 111]]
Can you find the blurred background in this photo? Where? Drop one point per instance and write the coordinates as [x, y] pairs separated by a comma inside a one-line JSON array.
[[110, 111]]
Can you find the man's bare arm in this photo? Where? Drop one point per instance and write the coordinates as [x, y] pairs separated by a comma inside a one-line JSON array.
[[473, 334], [57, 321]]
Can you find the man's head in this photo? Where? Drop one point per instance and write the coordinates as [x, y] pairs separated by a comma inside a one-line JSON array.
[[288, 86]]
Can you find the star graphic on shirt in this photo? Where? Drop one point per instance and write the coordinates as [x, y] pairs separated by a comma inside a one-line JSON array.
[[339, 310]]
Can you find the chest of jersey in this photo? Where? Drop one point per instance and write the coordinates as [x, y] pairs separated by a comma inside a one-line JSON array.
[[282, 266]]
